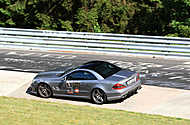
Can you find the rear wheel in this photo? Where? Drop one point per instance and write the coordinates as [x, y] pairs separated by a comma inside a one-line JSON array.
[[98, 96], [44, 90]]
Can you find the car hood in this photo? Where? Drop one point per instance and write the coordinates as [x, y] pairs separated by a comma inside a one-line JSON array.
[[121, 75], [50, 74], [54, 73]]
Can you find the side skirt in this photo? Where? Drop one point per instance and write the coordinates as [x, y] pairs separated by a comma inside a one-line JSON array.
[[72, 96]]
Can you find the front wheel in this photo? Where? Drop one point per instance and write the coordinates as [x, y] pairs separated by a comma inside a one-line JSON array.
[[98, 96], [44, 90]]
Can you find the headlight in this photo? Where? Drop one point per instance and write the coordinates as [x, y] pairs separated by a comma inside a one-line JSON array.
[[34, 81]]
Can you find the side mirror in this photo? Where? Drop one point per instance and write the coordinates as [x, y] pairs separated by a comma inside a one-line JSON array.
[[65, 78]]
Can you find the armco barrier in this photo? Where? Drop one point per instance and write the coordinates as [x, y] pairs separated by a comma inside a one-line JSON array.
[[98, 42]]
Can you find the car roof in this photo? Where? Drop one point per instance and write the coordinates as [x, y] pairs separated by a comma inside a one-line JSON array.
[[101, 67], [92, 64], [95, 62]]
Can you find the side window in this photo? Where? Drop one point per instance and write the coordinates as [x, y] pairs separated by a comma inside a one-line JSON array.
[[81, 75]]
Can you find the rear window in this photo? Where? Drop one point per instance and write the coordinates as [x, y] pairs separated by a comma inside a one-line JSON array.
[[105, 69]]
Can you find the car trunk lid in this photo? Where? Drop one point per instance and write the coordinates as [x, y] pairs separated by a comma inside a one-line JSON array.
[[121, 75], [124, 77]]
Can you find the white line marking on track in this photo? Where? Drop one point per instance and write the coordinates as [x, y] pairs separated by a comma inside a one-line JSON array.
[[6, 67], [178, 67], [11, 53], [177, 77], [60, 57], [27, 54], [186, 63], [171, 73], [70, 57], [18, 60], [46, 55], [185, 79]]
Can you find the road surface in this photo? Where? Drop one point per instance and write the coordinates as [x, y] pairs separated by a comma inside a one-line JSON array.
[[163, 93], [158, 71]]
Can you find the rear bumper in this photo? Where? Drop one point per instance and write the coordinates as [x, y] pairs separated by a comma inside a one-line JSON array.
[[118, 94]]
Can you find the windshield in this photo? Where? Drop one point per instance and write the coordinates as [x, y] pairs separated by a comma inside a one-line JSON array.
[[63, 70]]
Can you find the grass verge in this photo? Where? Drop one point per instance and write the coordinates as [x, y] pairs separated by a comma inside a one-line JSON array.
[[31, 112]]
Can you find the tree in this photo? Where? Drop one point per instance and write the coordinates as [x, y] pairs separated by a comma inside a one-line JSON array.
[[178, 12], [145, 17], [5, 14]]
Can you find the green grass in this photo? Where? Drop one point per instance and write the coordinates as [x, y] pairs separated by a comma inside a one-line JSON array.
[[30, 112]]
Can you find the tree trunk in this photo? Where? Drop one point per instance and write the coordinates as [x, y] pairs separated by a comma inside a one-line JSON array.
[[51, 8], [124, 2]]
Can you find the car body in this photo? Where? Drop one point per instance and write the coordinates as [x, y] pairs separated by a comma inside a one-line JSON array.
[[99, 81]]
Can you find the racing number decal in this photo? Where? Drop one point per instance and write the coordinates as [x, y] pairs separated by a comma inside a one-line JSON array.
[[72, 88]]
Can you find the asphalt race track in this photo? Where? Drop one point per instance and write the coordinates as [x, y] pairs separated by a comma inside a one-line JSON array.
[[173, 73]]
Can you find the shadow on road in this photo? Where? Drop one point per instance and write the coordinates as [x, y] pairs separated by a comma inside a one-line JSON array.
[[28, 91]]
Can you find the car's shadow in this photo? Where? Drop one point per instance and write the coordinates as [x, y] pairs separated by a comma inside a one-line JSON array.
[[83, 100]]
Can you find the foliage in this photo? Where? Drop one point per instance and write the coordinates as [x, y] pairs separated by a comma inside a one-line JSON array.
[[86, 20], [180, 18], [5, 14], [182, 29], [145, 17]]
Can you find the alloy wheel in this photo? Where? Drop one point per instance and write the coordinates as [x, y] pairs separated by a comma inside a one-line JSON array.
[[98, 96], [44, 91]]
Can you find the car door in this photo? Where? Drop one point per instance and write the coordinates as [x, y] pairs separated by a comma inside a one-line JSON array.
[[80, 83]]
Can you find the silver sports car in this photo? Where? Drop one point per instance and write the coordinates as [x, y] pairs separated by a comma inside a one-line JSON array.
[[99, 81]]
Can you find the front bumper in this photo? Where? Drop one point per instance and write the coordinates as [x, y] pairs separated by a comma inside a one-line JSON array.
[[32, 89]]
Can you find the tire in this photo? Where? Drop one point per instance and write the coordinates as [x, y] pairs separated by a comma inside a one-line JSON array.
[[44, 90], [98, 96], [135, 91]]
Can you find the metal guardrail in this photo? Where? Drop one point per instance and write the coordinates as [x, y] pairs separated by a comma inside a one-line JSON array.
[[97, 42]]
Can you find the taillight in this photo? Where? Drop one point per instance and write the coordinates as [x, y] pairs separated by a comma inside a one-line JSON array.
[[138, 77], [118, 86]]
